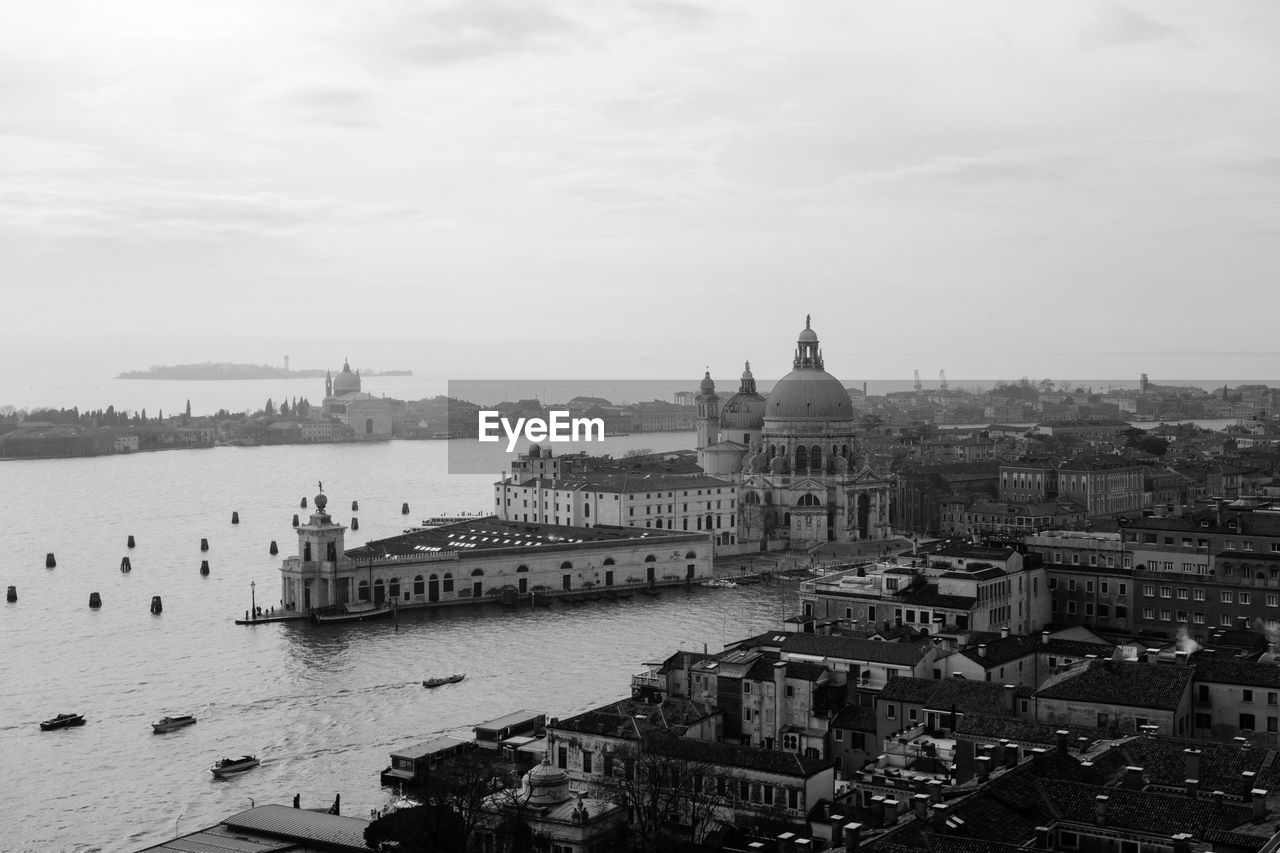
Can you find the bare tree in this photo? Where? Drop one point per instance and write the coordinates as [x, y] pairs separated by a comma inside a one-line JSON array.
[[670, 800]]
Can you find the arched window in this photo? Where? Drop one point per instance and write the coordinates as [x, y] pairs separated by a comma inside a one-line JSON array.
[[368, 426], [446, 585], [419, 588], [362, 591], [691, 555], [521, 569], [608, 561], [475, 573], [651, 559], [566, 565], [393, 588], [808, 500], [802, 458]]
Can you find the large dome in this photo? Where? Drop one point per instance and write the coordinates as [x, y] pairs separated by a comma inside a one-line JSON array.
[[346, 381], [809, 394]]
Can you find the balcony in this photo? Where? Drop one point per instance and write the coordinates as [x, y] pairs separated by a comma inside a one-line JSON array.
[[647, 680]]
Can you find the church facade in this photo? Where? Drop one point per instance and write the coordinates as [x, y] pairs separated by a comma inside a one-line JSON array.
[[368, 417], [795, 454]]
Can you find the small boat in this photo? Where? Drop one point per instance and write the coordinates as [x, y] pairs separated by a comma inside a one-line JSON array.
[[719, 583], [351, 612], [168, 724], [62, 721], [652, 592], [444, 679], [231, 766]]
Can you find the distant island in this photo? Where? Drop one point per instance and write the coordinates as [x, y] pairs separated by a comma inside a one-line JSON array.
[[227, 370]]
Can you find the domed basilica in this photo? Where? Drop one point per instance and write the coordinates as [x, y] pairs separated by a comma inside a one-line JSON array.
[[795, 455]]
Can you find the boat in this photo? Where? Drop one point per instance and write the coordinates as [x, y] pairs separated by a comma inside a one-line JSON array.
[[444, 679], [445, 520], [62, 721], [351, 612], [231, 766], [719, 583], [168, 724], [652, 592]]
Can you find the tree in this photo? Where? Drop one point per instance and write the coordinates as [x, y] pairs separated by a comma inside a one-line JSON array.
[[670, 799], [453, 804], [637, 452], [269, 408]]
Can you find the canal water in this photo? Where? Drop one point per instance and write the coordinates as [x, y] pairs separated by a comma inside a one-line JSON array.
[[322, 707]]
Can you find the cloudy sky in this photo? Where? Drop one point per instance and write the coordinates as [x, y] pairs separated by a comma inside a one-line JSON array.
[[528, 188]]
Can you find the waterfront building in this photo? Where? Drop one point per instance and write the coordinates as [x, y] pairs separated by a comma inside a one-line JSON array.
[[539, 490], [482, 559], [274, 828], [367, 418], [982, 518], [919, 492], [802, 474]]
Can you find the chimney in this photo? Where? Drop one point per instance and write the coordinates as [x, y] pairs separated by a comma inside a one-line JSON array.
[[938, 816], [1182, 842], [801, 845], [982, 650], [1064, 740], [1044, 838], [1010, 700], [1153, 656], [1100, 809], [920, 803], [1038, 761], [877, 811], [1259, 797], [785, 841], [1010, 754], [1193, 788], [851, 835], [1133, 778], [983, 765], [935, 791], [1180, 657], [1217, 801], [1248, 777], [1004, 632], [890, 811], [1044, 638], [1191, 759]]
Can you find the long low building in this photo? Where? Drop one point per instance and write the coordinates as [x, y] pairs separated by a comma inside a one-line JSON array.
[[483, 559]]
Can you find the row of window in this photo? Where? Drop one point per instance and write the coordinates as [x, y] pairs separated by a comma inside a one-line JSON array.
[[1225, 596], [1225, 620], [1104, 587], [1104, 610]]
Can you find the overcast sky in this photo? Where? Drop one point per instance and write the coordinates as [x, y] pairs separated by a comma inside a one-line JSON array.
[[642, 189]]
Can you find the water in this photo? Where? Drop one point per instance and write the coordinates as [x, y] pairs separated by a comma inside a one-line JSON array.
[[322, 707]]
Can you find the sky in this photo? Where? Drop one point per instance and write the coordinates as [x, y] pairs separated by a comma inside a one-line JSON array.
[[520, 188]]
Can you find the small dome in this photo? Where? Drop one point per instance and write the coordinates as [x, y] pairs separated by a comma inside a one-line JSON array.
[[547, 784], [707, 386], [321, 502], [535, 451], [807, 335]]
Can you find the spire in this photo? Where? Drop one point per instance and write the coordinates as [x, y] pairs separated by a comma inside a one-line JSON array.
[[807, 352], [748, 385], [806, 320]]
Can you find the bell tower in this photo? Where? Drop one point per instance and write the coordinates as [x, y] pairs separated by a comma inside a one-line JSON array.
[[708, 412], [321, 558]]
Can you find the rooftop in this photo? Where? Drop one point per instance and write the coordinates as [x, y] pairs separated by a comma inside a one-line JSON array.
[[1135, 685], [852, 648]]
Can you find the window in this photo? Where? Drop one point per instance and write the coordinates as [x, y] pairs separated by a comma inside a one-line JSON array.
[[1088, 586], [1247, 696], [1246, 598], [890, 712], [1183, 593], [746, 715], [1198, 594], [1103, 587], [1226, 597], [1273, 600], [1225, 621], [911, 714], [1148, 590], [1071, 585], [1165, 616], [1071, 607], [586, 762], [1148, 613], [1166, 592], [840, 734], [746, 687], [1272, 699], [1124, 589], [562, 757], [1246, 722]]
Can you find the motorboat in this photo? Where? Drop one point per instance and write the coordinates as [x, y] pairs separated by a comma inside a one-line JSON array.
[[231, 766], [444, 679], [351, 612], [719, 583], [168, 724], [62, 721]]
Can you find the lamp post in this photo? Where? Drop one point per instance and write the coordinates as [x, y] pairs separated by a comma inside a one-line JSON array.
[[253, 602]]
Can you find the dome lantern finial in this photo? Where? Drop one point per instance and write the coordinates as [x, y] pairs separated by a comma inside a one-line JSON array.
[[806, 320]]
